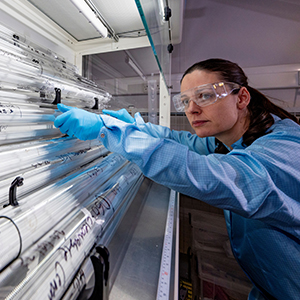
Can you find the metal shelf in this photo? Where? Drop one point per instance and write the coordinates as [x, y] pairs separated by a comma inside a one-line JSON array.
[[137, 246]]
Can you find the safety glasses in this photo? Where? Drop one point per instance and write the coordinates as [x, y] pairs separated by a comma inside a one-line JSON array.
[[204, 95]]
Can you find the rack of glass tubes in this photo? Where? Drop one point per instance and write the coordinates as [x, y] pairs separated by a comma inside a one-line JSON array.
[[58, 195]]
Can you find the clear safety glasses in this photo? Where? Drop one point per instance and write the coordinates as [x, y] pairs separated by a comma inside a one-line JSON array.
[[204, 95]]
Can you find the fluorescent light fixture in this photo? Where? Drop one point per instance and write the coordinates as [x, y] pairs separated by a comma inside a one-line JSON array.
[[91, 16], [135, 67]]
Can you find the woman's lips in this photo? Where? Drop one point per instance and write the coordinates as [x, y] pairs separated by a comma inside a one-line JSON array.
[[198, 123]]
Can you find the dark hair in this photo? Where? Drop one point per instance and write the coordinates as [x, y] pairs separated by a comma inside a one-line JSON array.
[[260, 107]]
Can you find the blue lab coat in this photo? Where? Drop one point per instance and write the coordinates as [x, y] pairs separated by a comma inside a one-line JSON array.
[[257, 186]]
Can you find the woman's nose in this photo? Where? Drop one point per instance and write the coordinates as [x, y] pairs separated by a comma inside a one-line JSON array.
[[193, 108]]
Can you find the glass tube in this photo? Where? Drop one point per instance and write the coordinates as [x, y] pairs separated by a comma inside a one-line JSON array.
[[18, 157], [25, 47], [10, 63], [47, 87], [43, 99], [69, 243], [58, 144], [19, 96], [9, 50], [24, 68], [10, 134], [84, 280], [60, 175], [38, 253], [18, 81], [39, 212], [11, 113], [46, 173], [77, 90]]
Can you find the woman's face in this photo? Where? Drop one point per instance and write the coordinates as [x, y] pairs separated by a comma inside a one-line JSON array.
[[226, 119]]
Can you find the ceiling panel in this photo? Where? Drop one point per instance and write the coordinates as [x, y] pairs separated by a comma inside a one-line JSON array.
[[67, 16], [122, 16]]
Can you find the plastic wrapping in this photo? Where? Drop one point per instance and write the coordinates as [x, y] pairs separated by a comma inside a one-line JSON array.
[[29, 156], [66, 245], [46, 173], [28, 67], [35, 216], [58, 195]]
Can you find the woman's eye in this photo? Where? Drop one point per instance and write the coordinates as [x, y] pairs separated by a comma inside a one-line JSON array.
[[205, 96], [185, 101]]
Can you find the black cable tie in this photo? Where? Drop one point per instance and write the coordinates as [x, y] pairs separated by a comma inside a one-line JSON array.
[[57, 96], [18, 181]]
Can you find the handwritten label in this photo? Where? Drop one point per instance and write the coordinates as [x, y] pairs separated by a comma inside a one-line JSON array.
[[68, 156], [43, 248], [100, 207], [79, 281], [75, 243], [3, 128], [96, 171], [9, 109], [40, 164], [58, 281]]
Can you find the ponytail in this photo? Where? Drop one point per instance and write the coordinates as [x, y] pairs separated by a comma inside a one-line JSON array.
[[260, 112]]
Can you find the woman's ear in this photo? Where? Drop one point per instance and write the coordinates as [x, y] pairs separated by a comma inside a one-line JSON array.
[[243, 98]]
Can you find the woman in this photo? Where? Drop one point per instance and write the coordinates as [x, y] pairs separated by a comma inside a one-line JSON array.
[[257, 182]]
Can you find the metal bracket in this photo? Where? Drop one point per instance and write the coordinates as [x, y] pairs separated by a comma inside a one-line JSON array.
[[96, 105], [18, 181], [57, 96], [101, 269]]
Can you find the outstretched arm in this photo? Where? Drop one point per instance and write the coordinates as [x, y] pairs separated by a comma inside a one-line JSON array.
[[192, 141], [245, 181]]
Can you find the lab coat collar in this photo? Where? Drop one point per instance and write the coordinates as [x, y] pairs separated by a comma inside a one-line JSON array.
[[238, 144]]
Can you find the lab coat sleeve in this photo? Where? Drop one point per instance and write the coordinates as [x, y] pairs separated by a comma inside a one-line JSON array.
[[192, 141], [253, 182]]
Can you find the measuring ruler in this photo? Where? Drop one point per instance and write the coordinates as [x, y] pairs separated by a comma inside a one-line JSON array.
[[163, 289]]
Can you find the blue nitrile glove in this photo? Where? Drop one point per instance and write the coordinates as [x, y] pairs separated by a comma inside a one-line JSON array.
[[78, 122], [121, 114]]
